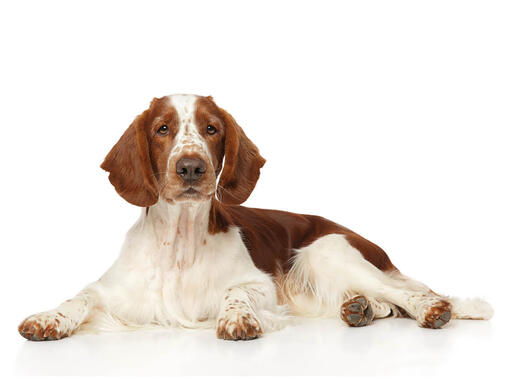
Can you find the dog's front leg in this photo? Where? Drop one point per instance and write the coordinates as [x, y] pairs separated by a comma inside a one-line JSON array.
[[62, 321], [238, 318]]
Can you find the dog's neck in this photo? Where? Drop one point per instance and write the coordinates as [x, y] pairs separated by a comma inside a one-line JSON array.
[[180, 229]]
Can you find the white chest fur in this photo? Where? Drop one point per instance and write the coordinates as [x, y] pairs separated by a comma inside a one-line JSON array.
[[172, 271]]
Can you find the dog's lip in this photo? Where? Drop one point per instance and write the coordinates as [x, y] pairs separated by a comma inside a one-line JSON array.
[[193, 193], [190, 191]]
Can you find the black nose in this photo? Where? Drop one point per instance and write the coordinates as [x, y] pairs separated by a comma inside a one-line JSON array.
[[190, 169]]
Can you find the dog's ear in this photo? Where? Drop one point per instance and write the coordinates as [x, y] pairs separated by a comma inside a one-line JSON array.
[[242, 164], [129, 165]]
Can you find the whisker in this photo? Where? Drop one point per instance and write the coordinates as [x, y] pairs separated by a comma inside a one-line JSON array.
[[218, 186]]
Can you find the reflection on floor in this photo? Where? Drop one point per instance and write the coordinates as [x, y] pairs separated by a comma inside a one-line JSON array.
[[319, 346]]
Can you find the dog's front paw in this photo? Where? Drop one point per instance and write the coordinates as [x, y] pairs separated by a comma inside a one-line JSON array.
[[46, 326], [236, 326]]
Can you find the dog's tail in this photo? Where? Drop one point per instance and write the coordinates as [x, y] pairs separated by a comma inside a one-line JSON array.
[[475, 308]]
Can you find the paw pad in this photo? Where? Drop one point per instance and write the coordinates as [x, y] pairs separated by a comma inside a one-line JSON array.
[[438, 315], [357, 312]]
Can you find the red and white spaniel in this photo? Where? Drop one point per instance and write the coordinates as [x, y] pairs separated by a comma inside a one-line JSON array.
[[195, 258]]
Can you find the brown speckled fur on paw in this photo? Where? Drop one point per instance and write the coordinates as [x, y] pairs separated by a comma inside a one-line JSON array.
[[357, 312], [438, 315], [33, 330], [245, 328]]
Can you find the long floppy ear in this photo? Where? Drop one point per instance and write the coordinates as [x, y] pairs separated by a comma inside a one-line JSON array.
[[130, 167], [242, 165]]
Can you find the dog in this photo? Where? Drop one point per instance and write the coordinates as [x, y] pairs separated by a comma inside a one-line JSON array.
[[197, 259]]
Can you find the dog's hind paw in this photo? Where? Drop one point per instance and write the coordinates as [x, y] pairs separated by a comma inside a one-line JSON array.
[[357, 312]]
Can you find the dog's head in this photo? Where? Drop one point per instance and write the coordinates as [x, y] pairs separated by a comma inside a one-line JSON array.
[[176, 150]]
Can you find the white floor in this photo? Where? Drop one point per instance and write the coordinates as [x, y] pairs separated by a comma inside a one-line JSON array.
[[320, 346]]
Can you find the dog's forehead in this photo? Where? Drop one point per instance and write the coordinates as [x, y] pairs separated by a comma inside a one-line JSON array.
[[184, 105], [188, 106]]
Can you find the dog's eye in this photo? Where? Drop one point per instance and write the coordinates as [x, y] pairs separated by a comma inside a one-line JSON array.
[[163, 130], [211, 129]]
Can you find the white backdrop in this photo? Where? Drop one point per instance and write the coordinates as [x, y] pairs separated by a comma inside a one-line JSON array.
[[391, 118]]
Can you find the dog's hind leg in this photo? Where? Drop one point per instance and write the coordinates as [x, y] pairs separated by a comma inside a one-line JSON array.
[[429, 309], [326, 270]]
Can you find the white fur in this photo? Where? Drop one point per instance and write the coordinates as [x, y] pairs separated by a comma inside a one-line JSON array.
[[474, 308], [172, 272]]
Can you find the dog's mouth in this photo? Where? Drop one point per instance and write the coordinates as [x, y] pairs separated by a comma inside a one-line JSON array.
[[190, 193]]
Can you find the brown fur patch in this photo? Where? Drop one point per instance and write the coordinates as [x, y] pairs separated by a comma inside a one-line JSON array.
[[271, 236]]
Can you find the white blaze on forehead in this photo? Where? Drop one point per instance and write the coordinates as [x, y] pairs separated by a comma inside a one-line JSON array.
[[188, 137]]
